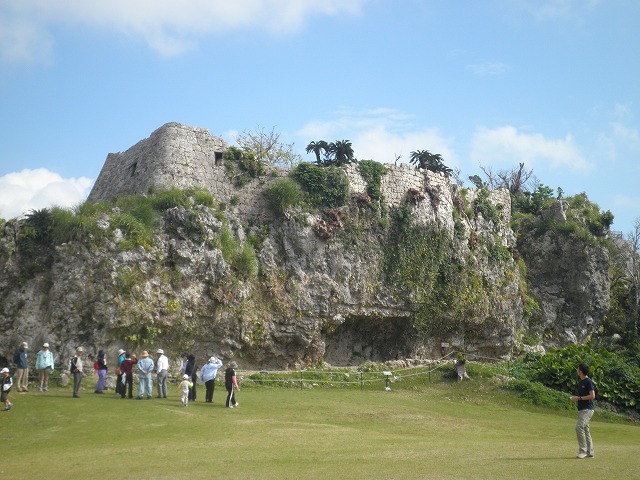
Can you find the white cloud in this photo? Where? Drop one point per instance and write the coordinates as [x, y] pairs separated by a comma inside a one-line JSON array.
[[506, 146], [380, 134], [487, 69], [552, 9], [39, 188], [23, 41], [168, 26]]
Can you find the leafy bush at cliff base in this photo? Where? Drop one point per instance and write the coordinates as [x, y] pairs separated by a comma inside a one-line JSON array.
[[540, 395], [616, 377], [326, 187]]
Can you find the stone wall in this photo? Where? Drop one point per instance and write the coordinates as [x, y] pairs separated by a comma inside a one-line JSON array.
[[174, 156], [181, 156]]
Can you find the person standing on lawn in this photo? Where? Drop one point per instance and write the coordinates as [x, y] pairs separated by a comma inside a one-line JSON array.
[[101, 364], [122, 356], [126, 370], [6, 383], [22, 367], [208, 376], [145, 383], [44, 366], [585, 397], [231, 383], [162, 368], [76, 368], [191, 369]]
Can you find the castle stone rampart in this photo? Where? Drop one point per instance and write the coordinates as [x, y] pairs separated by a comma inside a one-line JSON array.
[[174, 156], [181, 156]]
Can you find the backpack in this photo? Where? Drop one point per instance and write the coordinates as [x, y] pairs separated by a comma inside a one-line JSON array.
[[72, 365]]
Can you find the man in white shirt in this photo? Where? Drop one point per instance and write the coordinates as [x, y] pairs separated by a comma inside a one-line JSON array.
[[162, 367]]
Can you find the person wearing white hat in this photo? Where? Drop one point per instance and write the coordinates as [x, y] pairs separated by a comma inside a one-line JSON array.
[[184, 388], [162, 367], [6, 383], [44, 366], [76, 368], [208, 376], [22, 367], [122, 355]]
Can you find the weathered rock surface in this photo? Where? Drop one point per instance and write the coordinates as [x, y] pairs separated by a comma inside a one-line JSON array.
[[312, 300]]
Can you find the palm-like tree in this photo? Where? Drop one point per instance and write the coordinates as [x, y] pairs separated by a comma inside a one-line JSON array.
[[339, 153], [429, 161], [317, 147]]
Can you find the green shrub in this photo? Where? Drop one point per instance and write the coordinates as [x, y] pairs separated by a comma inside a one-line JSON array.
[[246, 262], [540, 395], [326, 187], [246, 161], [372, 173], [481, 204], [133, 230], [616, 378], [283, 194]]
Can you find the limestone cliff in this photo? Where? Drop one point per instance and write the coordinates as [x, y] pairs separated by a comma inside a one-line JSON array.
[[429, 267]]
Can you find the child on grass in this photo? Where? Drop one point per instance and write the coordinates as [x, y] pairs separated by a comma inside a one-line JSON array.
[[6, 383], [184, 388]]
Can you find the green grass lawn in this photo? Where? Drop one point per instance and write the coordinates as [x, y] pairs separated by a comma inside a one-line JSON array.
[[439, 430]]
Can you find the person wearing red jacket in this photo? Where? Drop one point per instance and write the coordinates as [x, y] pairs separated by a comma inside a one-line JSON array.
[[126, 369]]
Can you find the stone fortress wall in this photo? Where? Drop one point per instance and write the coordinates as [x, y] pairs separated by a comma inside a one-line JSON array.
[[181, 156]]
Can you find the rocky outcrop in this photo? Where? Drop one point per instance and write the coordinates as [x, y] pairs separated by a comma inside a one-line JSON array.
[[568, 276], [276, 290]]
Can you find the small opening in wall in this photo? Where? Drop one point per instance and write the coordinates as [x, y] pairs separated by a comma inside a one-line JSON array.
[[218, 158]]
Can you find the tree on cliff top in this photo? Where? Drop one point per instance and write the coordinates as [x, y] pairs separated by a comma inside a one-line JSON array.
[[267, 147], [317, 148], [429, 161]]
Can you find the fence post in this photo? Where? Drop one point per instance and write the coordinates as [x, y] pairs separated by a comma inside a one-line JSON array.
[[300, 379]]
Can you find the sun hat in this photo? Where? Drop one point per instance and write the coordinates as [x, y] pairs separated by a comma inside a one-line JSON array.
[[145, 353], [121, 351], [160, 351], [4, 370], [185, 376], [79, 349], [24, 345], [45, 345]]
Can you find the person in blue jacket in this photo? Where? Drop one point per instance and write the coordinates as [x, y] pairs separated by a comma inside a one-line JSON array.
[[22, 367], [208, 376], [44, 366], [145, 368]]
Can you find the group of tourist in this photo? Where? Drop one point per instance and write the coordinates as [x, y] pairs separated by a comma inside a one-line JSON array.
[[127, 363], [187, 387]]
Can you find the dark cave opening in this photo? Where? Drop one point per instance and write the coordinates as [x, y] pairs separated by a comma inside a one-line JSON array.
[[359, 339]]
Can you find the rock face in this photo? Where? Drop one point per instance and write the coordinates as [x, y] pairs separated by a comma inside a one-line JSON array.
[[308, 298], [571, 283]]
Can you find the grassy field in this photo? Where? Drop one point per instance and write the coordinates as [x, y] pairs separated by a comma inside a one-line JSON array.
[[438, 430]]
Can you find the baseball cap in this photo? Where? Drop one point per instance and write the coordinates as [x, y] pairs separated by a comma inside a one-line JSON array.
[[4, 370], [45, 345], [185, 376]]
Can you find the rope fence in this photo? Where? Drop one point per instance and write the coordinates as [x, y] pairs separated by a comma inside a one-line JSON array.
[[349, 377]]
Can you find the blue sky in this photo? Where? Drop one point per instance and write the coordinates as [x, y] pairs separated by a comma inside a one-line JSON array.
[[551, 83]]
